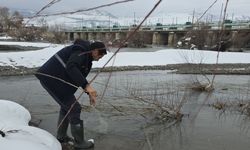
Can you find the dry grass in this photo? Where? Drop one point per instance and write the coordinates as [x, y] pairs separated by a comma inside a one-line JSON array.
[[164, 101], [245, 108], [197, 86], [219, 105], [238, 106]]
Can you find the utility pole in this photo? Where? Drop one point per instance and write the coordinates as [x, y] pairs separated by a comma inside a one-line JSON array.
[[193, 17], [224, 15], [109, 24], [134, 18], [212, 16], [82, 23], [220, 14]]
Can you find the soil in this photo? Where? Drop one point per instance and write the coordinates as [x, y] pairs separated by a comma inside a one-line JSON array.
[[10, 48], [239, 69]]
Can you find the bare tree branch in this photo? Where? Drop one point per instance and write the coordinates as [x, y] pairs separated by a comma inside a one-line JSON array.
[[46, 6], [82, 10], [207, 10], [128, 37], [220, 39]]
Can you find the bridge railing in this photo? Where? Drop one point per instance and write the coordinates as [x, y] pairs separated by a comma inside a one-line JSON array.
[[177, 27]]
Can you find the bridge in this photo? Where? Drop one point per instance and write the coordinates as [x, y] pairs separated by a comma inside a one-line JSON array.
[[156, 34]]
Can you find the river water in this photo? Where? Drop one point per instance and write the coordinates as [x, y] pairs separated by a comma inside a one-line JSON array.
[[201, 128]]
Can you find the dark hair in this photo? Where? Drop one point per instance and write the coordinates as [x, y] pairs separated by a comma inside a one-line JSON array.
[[81, 42], [100, 46]]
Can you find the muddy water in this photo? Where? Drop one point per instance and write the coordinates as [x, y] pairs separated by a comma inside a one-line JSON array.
[[202, 127]]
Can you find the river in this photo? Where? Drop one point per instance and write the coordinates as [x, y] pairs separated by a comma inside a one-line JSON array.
[[202, 127]]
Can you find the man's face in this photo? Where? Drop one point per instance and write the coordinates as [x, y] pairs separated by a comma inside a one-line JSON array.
[[96, 56]]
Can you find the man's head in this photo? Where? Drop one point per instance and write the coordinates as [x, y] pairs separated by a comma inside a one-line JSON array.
[[98, 50]]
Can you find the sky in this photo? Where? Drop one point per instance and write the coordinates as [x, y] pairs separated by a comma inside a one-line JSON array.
[[136, 7]]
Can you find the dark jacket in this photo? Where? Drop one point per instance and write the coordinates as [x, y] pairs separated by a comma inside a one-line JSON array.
[[71, 64]]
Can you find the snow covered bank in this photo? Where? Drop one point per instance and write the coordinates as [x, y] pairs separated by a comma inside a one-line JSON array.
[[35, 44], [36, 58], [18, 135], [173, 56], [5, 38]]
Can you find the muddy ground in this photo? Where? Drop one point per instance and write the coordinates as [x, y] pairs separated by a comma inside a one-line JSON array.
[[240, 69]]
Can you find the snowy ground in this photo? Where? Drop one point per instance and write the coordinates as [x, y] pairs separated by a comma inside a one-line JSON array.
[[36, 58], [18, 135], [5, 38]]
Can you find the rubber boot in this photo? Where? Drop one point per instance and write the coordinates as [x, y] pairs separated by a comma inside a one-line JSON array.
[[62, 136], [77, 131]]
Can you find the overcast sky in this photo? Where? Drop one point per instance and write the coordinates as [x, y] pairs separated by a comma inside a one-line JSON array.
[[139, 7]]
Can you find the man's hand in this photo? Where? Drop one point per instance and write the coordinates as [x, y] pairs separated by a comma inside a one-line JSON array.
[[92, 94], [92, 100]]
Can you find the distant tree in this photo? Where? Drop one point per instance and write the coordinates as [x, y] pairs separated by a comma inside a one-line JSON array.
[[16, 20], [1, 27], [10, 21], [54, 34], [138, 40], [4, 18], [241, 41], [199, 36], [43, 23]]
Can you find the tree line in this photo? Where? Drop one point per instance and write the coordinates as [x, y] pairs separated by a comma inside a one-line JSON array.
[[13, 24]]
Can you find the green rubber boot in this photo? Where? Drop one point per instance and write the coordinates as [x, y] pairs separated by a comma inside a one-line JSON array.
[[77, 131], [62, 136]]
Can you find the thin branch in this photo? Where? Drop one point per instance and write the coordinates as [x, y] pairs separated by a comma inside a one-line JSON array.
[[106, 85], [220, 39], [46, 6], [71, 107], [83, 10], [42, 9], [207, 10], [208, 95], [128, 37], [59, 79], [56, 78], [148, 140]]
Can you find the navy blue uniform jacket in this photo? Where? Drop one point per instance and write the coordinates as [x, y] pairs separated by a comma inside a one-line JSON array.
[[71, 64]]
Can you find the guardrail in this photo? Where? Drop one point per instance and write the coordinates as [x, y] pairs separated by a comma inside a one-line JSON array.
[[163, 27]]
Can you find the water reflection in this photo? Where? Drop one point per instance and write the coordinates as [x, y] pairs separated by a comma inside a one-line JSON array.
[[202, 128]]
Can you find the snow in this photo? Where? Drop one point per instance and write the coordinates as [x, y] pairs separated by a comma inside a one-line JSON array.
[[6, 38], [162, 57], [173, 56], [28, 58], [14, 120], [35, 44]]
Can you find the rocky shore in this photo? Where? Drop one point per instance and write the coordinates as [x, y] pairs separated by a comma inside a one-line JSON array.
[[239, 69]]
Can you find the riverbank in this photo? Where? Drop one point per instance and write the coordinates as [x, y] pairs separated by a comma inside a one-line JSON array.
[[239, 69]]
